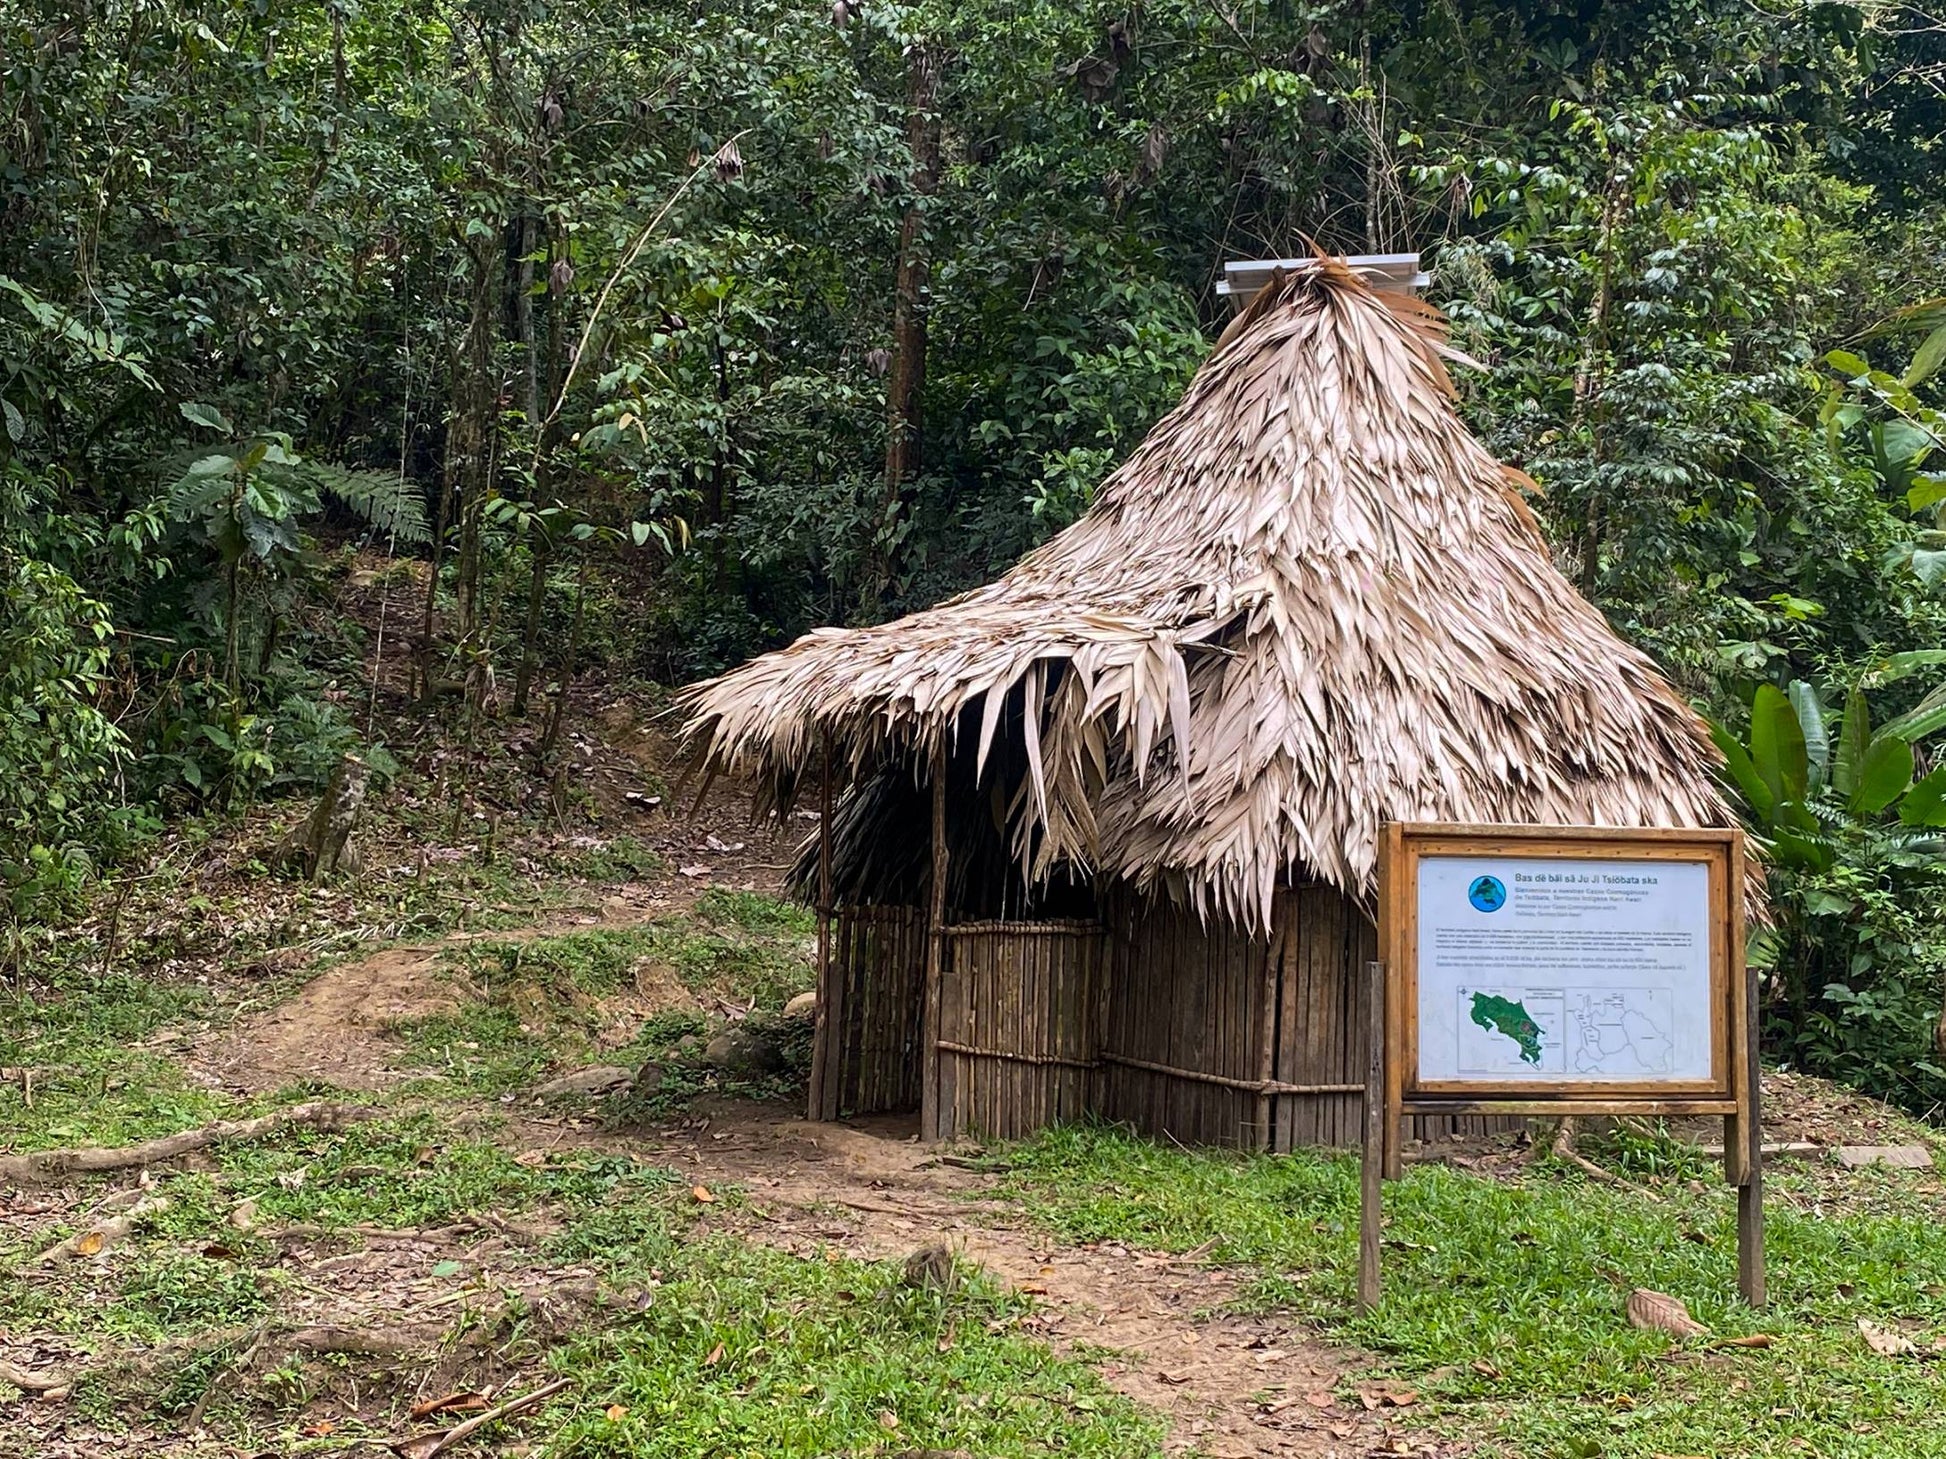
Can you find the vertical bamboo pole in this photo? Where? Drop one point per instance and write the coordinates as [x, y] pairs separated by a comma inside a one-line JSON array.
[[1749, 1125], [1283, 910], [822, 1075], [1371, 1169], [930, 1114]]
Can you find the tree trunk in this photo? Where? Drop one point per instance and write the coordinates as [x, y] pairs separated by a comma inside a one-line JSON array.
[[321, 843], [530, 634], [559, 711], [470, 438], [907, 378], [521, 287], [1589, 372]]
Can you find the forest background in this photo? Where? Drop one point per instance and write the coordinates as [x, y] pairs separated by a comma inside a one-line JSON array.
[[665, 332]]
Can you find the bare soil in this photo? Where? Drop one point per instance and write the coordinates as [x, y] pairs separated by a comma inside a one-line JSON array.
[[1229, 1386]]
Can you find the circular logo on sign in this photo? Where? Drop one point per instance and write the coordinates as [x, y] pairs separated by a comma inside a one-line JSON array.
[[1487, 894]]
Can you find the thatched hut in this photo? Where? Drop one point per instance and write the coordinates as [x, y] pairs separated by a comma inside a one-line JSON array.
[[1152, 760]]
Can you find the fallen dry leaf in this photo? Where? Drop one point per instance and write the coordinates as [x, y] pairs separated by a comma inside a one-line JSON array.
[[243, 1215], [321, 1429], [531, 1158], [88, 1243], [701, 1193], [1320, 1400], [616, 1413], [887, 1419], [1884, 1341], [1752, 1340], [715, 1356], [1384, 1396], [1485, 1369], [1659, 1312]]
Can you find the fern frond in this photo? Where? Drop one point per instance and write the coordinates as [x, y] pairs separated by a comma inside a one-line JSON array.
[[394, 505]]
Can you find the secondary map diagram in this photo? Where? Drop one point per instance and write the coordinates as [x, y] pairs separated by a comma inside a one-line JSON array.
[[1597, 1032]]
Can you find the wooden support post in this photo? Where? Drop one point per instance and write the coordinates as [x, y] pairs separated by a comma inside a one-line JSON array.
[[1395, 900], [1371, 1169], [1743, 1132], [826, 1077], [1750, 1192], [930, 1115]]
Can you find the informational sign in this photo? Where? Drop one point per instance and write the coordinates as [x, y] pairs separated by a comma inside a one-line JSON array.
[[1558, 971], [1536, 971], [1552, 963]]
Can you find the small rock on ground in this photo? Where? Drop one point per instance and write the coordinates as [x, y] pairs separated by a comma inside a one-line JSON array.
[[596, 1080]]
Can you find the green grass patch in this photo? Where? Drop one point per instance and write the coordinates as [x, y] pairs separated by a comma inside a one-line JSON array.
[[1529, 1280], [79, 1033], [736, 1349]]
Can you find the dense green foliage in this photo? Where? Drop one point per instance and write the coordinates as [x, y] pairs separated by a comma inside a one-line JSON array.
[[666, 331]]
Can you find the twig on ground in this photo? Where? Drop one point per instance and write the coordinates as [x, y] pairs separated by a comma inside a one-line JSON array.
[[98, 1236], [430, 1445], [48, 1167]]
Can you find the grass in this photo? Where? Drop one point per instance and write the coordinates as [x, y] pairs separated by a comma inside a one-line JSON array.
[[704, 1343], [746, 1351], [1505, 1301], [540, 1000]]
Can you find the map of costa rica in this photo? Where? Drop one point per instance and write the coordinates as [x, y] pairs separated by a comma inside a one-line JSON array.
[[1510, 1017]]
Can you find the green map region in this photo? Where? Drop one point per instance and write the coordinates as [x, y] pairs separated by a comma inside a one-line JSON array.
[[1491, 1011]]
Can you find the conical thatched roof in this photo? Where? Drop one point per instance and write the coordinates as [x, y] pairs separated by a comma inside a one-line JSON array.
[[1312, 576]]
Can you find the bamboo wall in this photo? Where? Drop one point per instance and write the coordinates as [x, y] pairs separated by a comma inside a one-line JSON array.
[[1183, 1033], [866, 1056], [1019, 1009], [1185, 1030]]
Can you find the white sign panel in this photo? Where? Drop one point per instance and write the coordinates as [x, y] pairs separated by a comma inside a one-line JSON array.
[[1552, 970]]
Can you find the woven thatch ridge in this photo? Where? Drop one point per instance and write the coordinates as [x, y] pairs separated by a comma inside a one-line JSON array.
[[1311, 574]]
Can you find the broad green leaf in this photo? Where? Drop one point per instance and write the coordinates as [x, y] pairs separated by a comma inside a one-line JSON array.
[[1929, 565], [1777, 744], [1924, 492], [1854, 737], [1744, 773], [211, 466], [196, 413], [1926, 361], [1846, 363], [1924, 718], [1790, 849], [1817, 741], [1894, 667], [1902, 440], [1884, 775], [16, 422], [1925, 803]]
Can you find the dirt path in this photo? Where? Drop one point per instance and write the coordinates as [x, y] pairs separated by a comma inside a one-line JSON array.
[[1229, 1386]]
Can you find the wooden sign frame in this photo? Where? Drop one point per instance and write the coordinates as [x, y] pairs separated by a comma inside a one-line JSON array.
[[1396, 1090]]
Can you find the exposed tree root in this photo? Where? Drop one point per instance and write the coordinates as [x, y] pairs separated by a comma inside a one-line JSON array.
[[1561, 1148], [28, 1381], [50, 1167]]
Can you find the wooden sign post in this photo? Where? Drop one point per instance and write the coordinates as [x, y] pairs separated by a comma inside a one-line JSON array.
[[1556, 971]]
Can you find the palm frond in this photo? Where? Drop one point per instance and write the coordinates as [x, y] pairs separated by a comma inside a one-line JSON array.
[[1308, 603]]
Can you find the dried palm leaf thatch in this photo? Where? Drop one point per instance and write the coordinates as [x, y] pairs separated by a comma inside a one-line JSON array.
[[1308, 603]]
